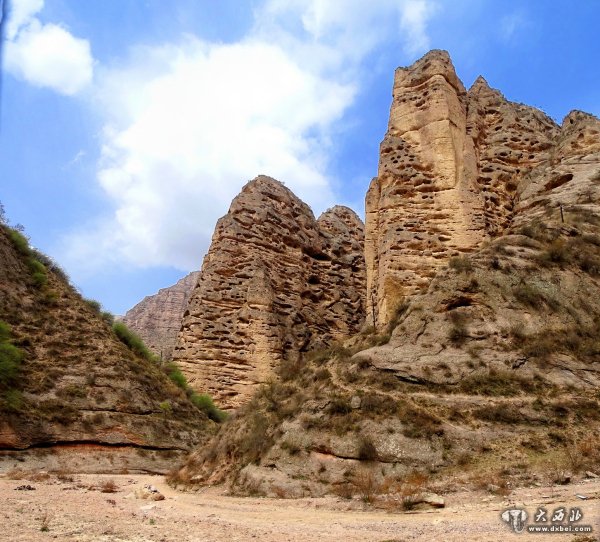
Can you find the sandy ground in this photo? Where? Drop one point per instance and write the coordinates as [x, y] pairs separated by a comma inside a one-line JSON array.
[[76, 510]]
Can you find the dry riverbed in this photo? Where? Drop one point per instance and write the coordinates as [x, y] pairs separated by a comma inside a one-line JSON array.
[[106, 509]]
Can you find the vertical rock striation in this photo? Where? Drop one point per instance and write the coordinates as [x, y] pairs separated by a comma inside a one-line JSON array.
[[275, 283], [449, 168], [157, 318]]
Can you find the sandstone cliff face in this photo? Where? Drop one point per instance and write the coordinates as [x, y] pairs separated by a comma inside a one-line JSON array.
[[274, 284], [81, 398], [521, 296], [157, 318], [486, 214], [449, 167]]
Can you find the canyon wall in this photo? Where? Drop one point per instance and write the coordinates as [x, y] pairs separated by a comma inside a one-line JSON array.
[[274, 284], [448, 172], [157, 318]]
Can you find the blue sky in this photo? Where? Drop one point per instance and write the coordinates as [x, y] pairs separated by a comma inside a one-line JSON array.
[[127, 126]]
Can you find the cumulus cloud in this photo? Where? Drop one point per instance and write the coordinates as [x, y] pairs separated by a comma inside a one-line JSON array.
[[45, 55], [183, 138], [188, 123], [344, 32]]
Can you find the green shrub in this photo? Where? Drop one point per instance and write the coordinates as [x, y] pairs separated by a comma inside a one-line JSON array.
[[94, 305], [176, 376], [10, 357], [39, 279], [10, 360], [19, 241], [166, 407], [108, 317], [4, 331], [35, 266], [132, 341], [13, 399], [204, 402]]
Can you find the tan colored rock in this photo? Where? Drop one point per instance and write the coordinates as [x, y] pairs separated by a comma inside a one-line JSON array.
[[449, 168], [157, 318], [149, 493], [275, 283], [489, 343], [537, 282]]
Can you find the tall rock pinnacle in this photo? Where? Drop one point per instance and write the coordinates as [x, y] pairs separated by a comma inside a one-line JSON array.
[[275, 283], [447, 176]]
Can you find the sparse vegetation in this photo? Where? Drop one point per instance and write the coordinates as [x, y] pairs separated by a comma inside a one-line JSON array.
[[500, 413], [204, 402], [108, 486], [458, 333], [366, 449], [132, 341], [35, 260], [11, 358], [461, 264], [96, 306], [365, 481], [498, 383], [530, 295]]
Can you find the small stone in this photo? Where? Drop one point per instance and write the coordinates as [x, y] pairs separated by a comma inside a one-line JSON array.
[[563, 478], [149, 493], [591, 474], [432, 499], [355, 402]]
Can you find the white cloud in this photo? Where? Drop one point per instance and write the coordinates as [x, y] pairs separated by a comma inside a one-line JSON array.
[[21, 13], [183, 138], [413, 22], [511, 24], [345, 31], [45, 55], [187, 124]]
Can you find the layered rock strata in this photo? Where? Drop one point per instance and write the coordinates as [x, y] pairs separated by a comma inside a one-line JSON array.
[[274, 284], [80, 400], [157, 318], [449, 168]]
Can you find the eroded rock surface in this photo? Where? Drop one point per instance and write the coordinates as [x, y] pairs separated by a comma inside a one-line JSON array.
[[449, 168], [157, 318], [274, 284], [518, 295]]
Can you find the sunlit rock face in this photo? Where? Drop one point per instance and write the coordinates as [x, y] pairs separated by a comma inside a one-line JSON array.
[[449, 168], [275, 283]]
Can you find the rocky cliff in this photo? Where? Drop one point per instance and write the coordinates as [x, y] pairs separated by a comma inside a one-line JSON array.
[[72, 395], [274, 284], [157, 318], [449, 168], [483, 259]]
